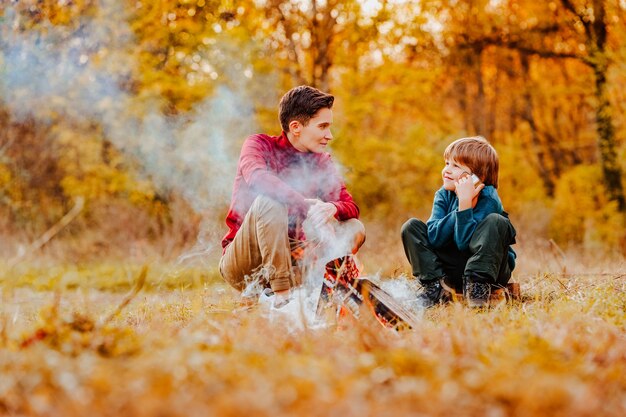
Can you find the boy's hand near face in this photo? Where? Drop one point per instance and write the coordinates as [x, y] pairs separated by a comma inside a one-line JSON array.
[[467, 192]]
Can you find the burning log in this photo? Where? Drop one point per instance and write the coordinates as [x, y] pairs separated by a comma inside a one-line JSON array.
[[345, 294]]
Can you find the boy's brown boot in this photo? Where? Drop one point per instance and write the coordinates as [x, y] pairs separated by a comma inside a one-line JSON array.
[[476, 293], [432, 293]]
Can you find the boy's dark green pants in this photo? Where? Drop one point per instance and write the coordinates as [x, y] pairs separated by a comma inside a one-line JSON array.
[[485, 260]]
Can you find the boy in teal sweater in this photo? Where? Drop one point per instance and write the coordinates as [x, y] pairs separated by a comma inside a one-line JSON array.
[[465, 245]]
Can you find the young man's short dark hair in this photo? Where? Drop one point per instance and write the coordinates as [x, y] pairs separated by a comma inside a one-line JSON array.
[[302, 103]]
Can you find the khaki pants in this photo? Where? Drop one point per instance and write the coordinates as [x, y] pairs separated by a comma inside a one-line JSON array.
[[261, 245]]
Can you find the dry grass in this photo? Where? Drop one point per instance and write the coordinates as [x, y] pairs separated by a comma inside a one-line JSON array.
[[191, 351]]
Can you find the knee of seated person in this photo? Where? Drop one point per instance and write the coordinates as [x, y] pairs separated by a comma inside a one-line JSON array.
[[264, 206], [411, 225], [353, 227], [357, 230], [495, 220], [231, 277]]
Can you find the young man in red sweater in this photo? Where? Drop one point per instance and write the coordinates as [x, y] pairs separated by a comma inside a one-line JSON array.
[[282, 181]]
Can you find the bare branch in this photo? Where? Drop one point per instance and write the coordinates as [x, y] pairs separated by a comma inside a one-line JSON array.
[[50, 233], [571, 7], [580, 16], [139, 283], [520, 46]]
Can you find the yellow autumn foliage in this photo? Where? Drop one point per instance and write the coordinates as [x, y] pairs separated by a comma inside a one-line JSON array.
[[583, 214]]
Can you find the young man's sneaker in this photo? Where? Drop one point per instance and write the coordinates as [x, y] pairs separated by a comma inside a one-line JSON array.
[[477, 293], [432, 293]]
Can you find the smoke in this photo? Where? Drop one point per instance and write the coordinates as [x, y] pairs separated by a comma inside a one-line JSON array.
[[192, 155], [52, 72], [55, 74], [404, 290]]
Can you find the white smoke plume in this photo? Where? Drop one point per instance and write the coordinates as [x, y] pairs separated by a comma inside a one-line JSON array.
[[51, 72]]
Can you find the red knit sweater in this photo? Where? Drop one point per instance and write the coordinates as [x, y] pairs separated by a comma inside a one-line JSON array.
[[271, 166]]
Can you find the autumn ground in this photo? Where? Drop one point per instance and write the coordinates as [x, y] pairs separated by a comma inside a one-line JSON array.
[[77, 341]]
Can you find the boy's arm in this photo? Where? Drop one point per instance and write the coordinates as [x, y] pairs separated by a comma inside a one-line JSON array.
[[467, 220], [262, 180], [441, 223]]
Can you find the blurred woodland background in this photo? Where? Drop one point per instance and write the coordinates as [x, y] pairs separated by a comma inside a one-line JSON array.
[[140, 108]]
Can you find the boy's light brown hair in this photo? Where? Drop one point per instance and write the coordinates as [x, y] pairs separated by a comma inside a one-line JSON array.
[[478, 155]]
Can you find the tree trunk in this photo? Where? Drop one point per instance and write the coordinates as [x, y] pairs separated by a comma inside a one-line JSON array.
[[604, 123], [594, 22], [611, 169], [528, 116], [479, 110]]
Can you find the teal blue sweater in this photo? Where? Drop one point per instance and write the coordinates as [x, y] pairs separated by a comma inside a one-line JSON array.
[[447, 223]]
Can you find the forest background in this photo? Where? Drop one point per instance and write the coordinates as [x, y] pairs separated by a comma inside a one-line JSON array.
[[139, 109]]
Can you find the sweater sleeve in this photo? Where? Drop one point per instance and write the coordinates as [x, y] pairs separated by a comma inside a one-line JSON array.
[[442, 221], [335, 191], [260, 178], [468, 220], [346, 207]]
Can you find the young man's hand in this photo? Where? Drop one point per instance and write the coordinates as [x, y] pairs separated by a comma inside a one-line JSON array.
[[320, 212], [467, 192]]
